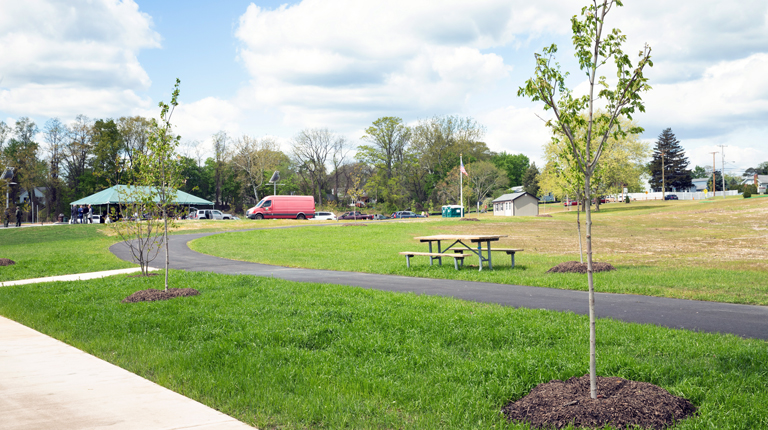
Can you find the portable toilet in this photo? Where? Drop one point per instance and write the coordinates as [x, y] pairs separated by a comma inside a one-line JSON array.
[[452, 211]]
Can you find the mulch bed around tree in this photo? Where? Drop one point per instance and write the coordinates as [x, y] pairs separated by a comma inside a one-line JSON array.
[[620, 403], [6, 262], [152, 295], [576, 267], [354, 225], [468, 219], [545, 215]]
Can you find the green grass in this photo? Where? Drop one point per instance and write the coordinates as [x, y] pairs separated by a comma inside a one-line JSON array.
[[374, 249], [286, 355], [56, 250]]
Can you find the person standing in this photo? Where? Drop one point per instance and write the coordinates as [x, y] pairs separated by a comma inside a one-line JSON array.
[[72, 214], [90, 214], [80, 214], [18, 216]]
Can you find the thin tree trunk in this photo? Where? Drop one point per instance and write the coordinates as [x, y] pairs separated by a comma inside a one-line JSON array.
[[590, 280], [165, 239], [578, 229]]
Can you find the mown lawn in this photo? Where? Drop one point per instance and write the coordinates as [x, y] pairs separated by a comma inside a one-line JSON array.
[[711, 251], [286, 355], [56, 250]]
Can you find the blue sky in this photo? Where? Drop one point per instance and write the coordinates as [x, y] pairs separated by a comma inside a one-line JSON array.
[[268, 68]]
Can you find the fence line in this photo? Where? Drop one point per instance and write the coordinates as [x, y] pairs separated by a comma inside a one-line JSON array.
[[681, 195]]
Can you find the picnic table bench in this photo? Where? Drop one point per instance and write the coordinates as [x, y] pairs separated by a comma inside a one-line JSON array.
[[461, 242], [431, 255]]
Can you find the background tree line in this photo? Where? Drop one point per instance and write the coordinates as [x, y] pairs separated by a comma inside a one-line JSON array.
[[397, 166]]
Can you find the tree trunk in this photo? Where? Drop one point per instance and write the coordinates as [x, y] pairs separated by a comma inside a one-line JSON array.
[[590, 280], [578, 229], [165, 239]]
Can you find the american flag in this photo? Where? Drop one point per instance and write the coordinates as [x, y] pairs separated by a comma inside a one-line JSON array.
[[463, 170]]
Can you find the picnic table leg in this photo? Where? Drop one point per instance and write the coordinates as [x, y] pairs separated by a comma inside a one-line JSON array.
[[408, 261], [513, 258], [439, 259], [490, 266], [480, 254], [430, 251], [459, 251], [455, 264]]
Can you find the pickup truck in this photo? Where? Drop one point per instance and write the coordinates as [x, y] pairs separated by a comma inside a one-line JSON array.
[[355, 215]]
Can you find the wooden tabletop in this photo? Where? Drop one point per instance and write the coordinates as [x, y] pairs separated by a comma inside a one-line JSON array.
[[461, 237]]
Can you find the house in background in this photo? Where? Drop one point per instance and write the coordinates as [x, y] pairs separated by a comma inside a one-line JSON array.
[[516, 204], [760, 180]]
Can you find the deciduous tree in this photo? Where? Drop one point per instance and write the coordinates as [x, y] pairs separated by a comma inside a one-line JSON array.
[[594, 47]]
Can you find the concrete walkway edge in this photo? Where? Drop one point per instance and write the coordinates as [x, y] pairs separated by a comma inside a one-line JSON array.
[[47, 384], [76, 276]]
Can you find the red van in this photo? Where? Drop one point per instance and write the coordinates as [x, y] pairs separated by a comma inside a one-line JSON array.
[[299, 207]]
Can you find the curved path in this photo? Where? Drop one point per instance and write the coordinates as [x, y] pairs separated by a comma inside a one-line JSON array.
[[742, 320]]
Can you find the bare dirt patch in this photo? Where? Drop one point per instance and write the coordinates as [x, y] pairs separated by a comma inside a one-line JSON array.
[[152, 295], [6, 262], [576, 267], [621, 403]]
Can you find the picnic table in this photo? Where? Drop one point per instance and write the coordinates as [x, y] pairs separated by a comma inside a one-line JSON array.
[[459, 242]]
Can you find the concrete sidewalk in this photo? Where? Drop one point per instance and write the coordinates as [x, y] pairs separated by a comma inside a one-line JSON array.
[[75, 277], [47, 384]]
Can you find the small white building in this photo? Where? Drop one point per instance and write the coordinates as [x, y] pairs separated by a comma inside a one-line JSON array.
[[516, 204]]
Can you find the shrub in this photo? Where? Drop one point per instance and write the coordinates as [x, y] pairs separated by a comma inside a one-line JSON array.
[[747, 194]]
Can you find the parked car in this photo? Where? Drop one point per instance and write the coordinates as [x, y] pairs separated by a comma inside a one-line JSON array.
[[229, 216], [96, 219], [380, 216], [355, 215], [298, 207], [570, 203], [206, 214], [406, 214], [670, 197], [325, 216]]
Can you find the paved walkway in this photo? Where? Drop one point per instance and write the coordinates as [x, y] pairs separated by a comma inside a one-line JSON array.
[[47, 384], [741, 320], [75, 277]]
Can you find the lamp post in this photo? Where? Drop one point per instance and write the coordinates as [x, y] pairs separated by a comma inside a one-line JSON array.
[[7, 176]]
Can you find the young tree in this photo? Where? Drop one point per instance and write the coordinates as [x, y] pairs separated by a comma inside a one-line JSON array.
[[697, 172], [593, 50], [676, 174], [159, 167]]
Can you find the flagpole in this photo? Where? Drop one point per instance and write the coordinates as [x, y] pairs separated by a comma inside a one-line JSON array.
[[461, 185]]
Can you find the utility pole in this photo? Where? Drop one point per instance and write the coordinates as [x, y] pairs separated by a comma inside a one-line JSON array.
[[722, 148], [714, 184], [663, 184]]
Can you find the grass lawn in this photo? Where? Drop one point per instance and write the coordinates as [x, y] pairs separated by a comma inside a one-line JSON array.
[[712, 250], [278, 354], [56, 250]]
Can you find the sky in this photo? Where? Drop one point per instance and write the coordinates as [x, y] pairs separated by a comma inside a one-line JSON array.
[[272, 69]]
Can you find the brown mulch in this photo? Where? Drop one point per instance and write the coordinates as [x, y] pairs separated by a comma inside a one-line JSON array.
[[620, 403], [152, 295], [6, 262], [576, 267], [468, 219], [354, 225], [544, 215]]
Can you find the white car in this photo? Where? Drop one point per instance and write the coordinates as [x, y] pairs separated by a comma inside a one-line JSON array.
[[206, 214], [325, 216]]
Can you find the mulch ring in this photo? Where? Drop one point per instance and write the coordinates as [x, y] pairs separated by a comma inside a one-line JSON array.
[[576, 267], [152, 295], [6, 262], [468, 219], [620, 403], [354, 225]]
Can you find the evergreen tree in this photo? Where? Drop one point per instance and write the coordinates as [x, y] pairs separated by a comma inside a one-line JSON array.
[[531, 180], [676, 172]]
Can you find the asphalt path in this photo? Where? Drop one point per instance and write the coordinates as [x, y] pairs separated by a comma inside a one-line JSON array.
[[742, 320]]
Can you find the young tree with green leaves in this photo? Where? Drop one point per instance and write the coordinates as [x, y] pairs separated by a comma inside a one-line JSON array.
[[595, 47], [159, 167]]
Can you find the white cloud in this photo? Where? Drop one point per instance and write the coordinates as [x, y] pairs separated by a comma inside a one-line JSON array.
[[340, 58], [516, 130], [64, 58]]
